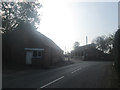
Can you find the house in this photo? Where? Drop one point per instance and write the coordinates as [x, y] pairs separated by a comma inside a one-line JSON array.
[[27, 46], [89, 53]]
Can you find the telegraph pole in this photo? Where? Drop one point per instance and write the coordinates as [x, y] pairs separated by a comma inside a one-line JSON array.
[[65, 49], [86, 40]]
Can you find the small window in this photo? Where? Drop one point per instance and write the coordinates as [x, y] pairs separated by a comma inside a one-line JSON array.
[[37, 54], [34, 53]]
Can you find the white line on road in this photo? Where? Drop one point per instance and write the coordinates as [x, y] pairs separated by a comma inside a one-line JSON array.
[[51, 82], [75, 70]]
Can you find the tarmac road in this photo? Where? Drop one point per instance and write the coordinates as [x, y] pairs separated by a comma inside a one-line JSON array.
[[85, 74]]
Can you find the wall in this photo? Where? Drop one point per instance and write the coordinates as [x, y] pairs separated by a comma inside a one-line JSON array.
[[20, 39]]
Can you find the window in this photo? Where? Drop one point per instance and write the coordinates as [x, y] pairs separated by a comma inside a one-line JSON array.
[[37, 54], [40, 53]]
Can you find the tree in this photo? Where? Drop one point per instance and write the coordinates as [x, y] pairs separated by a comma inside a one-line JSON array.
[[100, 43], [76, 45], [104, 43], [13, 13], [109, 43]]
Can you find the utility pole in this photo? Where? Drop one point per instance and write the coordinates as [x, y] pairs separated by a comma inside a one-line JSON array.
[[86, 40], [65, 50]]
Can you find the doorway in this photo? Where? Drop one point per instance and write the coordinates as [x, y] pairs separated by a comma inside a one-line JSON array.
[[29, 55]]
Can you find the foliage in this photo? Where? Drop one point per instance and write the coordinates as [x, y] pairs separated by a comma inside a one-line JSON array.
[[104, 43], [14, 13], [76, 45], [117, 50]]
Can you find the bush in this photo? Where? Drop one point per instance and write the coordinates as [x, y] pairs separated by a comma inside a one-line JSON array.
[[117, 50]]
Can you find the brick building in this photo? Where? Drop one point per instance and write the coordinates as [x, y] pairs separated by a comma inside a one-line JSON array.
[[27, 46], [89, 53]]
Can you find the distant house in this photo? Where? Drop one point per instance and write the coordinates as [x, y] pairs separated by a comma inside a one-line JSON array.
[[89, 53], [26, 46]]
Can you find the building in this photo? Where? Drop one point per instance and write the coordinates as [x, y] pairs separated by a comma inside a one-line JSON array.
[[27, 46], [89, 53]]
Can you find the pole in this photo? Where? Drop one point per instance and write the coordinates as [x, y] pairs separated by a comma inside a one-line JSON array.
[[86, 40]]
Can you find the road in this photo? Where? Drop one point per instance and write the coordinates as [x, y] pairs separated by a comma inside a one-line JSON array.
[[84, 74]]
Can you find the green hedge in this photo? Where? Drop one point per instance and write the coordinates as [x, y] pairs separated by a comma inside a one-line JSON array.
[[117, 50]]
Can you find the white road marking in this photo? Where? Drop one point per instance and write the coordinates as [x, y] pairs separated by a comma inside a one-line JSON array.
[[51, 82], [75, 70]]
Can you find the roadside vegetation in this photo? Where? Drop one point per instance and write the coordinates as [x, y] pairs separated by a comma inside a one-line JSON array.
[[117, 53], [111, 45]]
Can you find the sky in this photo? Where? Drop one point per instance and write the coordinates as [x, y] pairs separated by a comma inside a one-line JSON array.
[[67, 21]]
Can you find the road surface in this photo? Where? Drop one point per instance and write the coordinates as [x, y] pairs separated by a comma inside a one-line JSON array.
[[84, 74]]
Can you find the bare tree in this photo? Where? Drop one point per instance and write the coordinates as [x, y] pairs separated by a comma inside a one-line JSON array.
[[76, 45]]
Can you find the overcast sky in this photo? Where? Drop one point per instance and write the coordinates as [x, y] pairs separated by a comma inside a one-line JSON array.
[[67, 22]]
